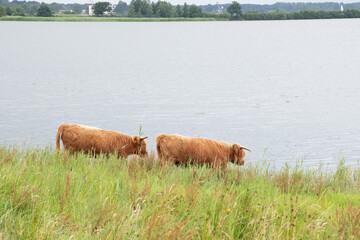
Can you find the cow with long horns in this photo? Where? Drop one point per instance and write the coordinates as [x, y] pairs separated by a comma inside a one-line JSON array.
[[179, 149], [79, 138]]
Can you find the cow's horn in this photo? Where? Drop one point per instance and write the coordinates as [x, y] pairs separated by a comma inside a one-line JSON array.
[[245, 148], [142, 138]]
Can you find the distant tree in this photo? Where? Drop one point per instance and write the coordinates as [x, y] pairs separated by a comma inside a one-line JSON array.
[[132, 12], [44, 11], [18, 11], [140, 8], [153, 8], [352, 13], [163, 9], [121, 8], [101, 7], [178, 11], [32, 8], [55, 7], [145, 8], [185, 10], [77, 8], [2, 11], [279, 15], [234, 10], [4, 2], [195, 11], [9, 11]]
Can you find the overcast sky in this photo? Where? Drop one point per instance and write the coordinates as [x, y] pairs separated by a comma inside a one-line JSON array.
[[198, 2]]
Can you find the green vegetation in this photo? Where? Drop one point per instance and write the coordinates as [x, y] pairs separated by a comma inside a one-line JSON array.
[[71, 18], [157, 11], [305, 14], [121, 8], [2, 11], [47, 195], [235, 11], [163, 9], [44, 11], [299, 6], [101, 7], [277, 15], [14, 11], [140, 8]]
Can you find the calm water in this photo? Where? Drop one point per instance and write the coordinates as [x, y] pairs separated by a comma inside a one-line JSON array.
[[288, 90]]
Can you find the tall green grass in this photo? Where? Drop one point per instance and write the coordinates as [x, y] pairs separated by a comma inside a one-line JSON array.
[[48, 195]]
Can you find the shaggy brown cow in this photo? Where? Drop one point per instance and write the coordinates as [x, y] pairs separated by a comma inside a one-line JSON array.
[[77, 138], [179, 149]]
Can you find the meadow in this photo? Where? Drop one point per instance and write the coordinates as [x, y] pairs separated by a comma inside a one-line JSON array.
[[54, 195]]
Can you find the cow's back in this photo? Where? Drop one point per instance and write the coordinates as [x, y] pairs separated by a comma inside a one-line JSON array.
[[204, 150], [180, 149], [81, 138]]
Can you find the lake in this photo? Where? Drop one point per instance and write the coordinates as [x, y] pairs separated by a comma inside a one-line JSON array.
[[288, 90]]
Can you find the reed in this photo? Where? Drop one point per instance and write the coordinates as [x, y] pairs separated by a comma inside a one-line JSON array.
[[48, 195]]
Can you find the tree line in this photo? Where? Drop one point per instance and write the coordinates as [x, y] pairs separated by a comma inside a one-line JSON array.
[[31, 7], [304, 14], [159, 9], [234, 11], [163, 9], [285, 7], [41, 11]]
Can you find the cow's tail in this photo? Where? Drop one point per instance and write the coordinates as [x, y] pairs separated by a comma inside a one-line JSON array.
[[58, 136]]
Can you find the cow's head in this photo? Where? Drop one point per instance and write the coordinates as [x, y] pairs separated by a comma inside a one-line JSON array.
[[140, 146], [238, 154]]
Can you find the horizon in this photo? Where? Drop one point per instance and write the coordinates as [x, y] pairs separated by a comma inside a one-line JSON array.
[[198, 2]]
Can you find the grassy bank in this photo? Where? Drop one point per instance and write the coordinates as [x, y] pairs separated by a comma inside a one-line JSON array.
[[102, 19], [48, 195]]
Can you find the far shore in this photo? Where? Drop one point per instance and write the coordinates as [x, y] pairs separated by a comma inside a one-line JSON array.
[[103, 19], [247, 17]]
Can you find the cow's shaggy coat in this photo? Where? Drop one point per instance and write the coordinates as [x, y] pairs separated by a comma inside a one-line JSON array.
[[79, 138], [179, 149]]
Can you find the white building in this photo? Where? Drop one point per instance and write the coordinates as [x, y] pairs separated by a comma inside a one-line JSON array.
[[91, 10]]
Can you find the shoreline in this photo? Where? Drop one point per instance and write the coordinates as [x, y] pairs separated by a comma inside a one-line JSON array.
[[129, 19], [103, 19]]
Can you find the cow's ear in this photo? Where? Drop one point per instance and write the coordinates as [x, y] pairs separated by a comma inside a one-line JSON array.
[[136, 139]]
